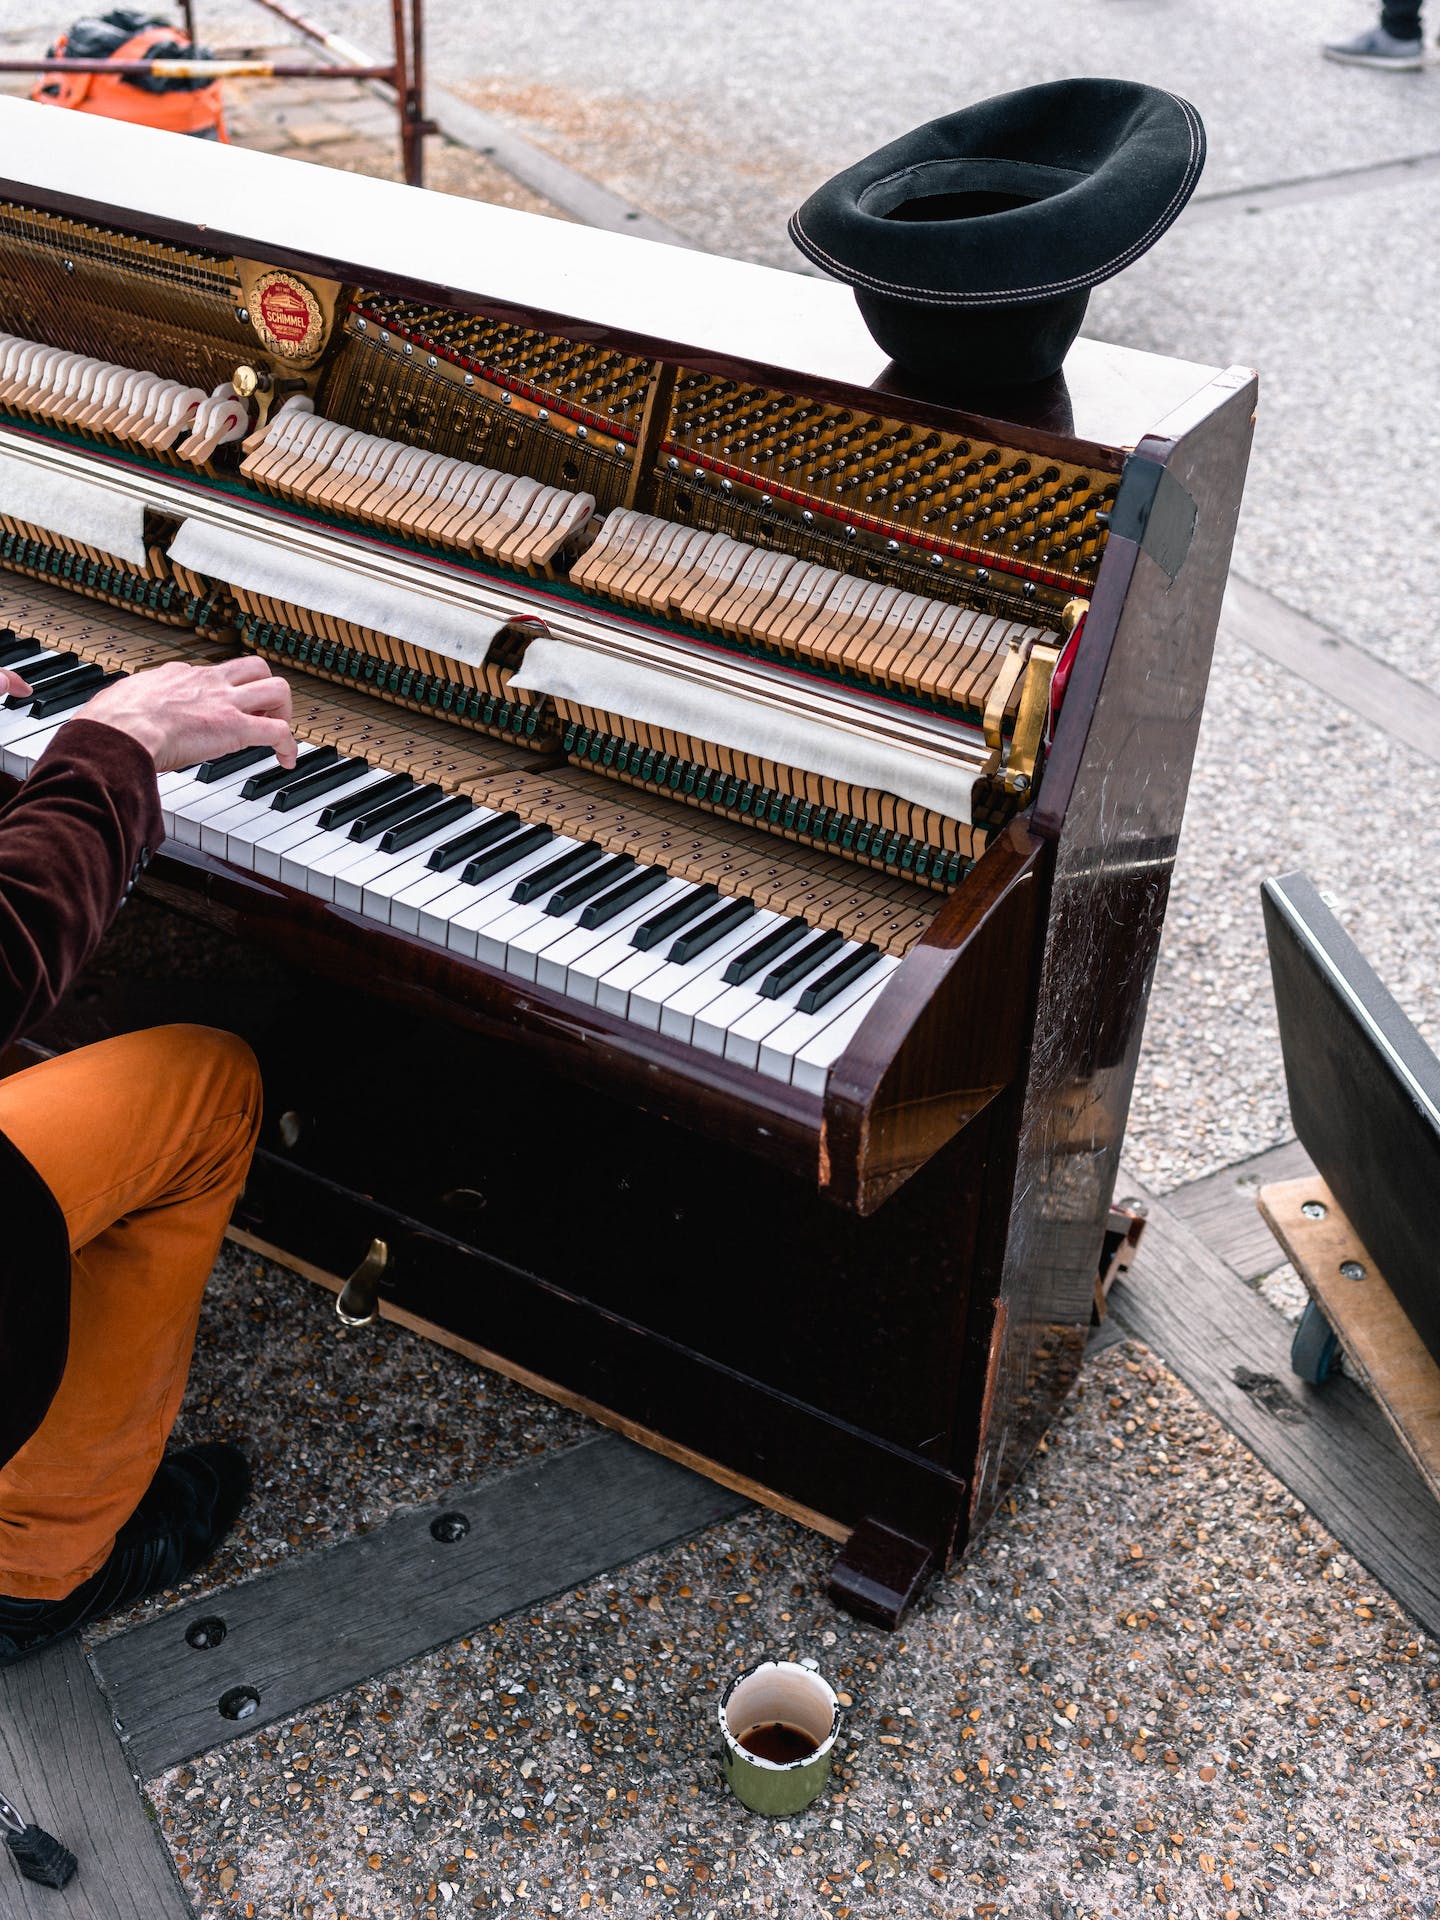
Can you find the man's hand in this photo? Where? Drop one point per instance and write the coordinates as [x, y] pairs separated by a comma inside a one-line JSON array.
[[12, 683], [182, 714]]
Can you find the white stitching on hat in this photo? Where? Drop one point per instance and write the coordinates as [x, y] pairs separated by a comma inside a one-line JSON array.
[[937, 296]]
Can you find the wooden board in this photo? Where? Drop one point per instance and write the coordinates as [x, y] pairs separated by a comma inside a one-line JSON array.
[[326, 1621], [61, 1764], [537, 1383], [1332, 1446], [1403, 709], [1221, 1208], [1372, 1326]]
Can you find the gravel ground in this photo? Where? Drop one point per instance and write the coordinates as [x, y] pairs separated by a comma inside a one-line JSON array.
[[1325, 792], [342, 1427], [1157, 1685]]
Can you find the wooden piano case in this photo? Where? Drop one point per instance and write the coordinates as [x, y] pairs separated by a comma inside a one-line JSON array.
[[866, 1305]]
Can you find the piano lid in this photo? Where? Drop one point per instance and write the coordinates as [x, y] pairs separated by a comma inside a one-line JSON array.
[[638, 295]]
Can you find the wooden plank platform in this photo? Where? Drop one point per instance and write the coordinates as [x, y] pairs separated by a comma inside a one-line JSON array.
[[231, 1662], [1332, 1446], [1221, 1208], [61, 1763], [1372, 1326]]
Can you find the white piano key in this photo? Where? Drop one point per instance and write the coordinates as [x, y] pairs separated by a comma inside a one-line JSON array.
[[386, 874], [463, 919], [191, 810], [670, 999], [575, 966], [627, 969], [779, 1048], [697, 995], [408, 883], [20, 753], [232, 835], [254, 821], [713, 1022], [811, 1067], [742, 1042], [292, 831]]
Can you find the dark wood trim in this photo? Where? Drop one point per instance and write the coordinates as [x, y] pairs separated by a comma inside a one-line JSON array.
[[947, 1035], [650, 1070]]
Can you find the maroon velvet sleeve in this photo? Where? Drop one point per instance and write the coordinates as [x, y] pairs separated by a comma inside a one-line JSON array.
[[72, 842]]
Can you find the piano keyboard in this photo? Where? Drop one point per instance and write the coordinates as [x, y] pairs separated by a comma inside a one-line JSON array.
[[627, 912]]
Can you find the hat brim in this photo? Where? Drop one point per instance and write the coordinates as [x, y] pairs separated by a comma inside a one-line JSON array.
[[1021, 199]]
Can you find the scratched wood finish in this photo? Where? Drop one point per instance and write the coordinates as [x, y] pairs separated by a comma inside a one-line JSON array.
[[1331, 1445], [326, 1621], [61, 1763]]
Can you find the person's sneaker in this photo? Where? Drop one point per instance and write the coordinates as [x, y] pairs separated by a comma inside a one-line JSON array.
[[186, 1512], [1377, 48]]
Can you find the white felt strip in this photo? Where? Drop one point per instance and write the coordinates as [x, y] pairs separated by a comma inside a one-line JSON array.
[[658, 699], [343, 591], [77, 509]]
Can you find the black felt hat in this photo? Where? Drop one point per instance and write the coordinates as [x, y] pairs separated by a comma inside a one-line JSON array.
[[972, 243]]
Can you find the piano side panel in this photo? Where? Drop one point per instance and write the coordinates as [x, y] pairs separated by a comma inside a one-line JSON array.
[[947, 1037], [1113, 798]]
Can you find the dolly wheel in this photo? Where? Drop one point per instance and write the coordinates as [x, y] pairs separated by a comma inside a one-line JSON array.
[[1314, 1349]]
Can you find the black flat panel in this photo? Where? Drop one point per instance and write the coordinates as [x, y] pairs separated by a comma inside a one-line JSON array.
[[1364, 1093]]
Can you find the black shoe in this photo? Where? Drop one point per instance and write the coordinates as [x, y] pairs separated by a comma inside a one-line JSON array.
[[188, 1509]]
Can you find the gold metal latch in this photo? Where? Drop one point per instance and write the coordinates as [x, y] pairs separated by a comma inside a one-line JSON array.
[[1017, 775]]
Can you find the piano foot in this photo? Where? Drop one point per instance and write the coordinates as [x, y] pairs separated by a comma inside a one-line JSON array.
[[879, 1572]]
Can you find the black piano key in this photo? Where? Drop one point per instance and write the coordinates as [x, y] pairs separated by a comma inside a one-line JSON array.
[[66, 696], [589, 884], [822, 991], [14, 650], [764, 951], [41, 675], [473, 841], [792, 971], [377, 820], [554, 872], [670, 919], [506, 854], [209, 771], [274, 778], [453, 807], [45, 670], [337, 774], [344, 811], [84, 674], [602, 911], [700, 939]]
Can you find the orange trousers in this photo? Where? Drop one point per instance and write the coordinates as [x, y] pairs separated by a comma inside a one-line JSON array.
[[144, 1140]]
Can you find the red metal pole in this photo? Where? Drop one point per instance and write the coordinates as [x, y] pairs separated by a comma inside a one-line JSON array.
[[417, 88], [201, 69]]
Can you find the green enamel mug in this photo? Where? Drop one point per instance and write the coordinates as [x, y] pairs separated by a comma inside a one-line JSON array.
[[778, 1724]]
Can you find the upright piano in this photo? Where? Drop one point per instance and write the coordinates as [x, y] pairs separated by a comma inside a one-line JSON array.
[[715, 905]]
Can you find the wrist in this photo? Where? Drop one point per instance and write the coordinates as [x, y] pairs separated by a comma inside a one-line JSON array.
[[138, 726]]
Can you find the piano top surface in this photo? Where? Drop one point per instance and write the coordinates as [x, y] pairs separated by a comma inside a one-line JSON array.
[[637, 295]]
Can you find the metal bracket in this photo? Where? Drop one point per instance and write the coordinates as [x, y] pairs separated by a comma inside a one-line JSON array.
[[358, 1301]]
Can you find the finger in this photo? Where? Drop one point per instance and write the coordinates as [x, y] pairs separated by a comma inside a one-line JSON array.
[[12, 683], [264, 696], [275, 734], [247, 666]]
